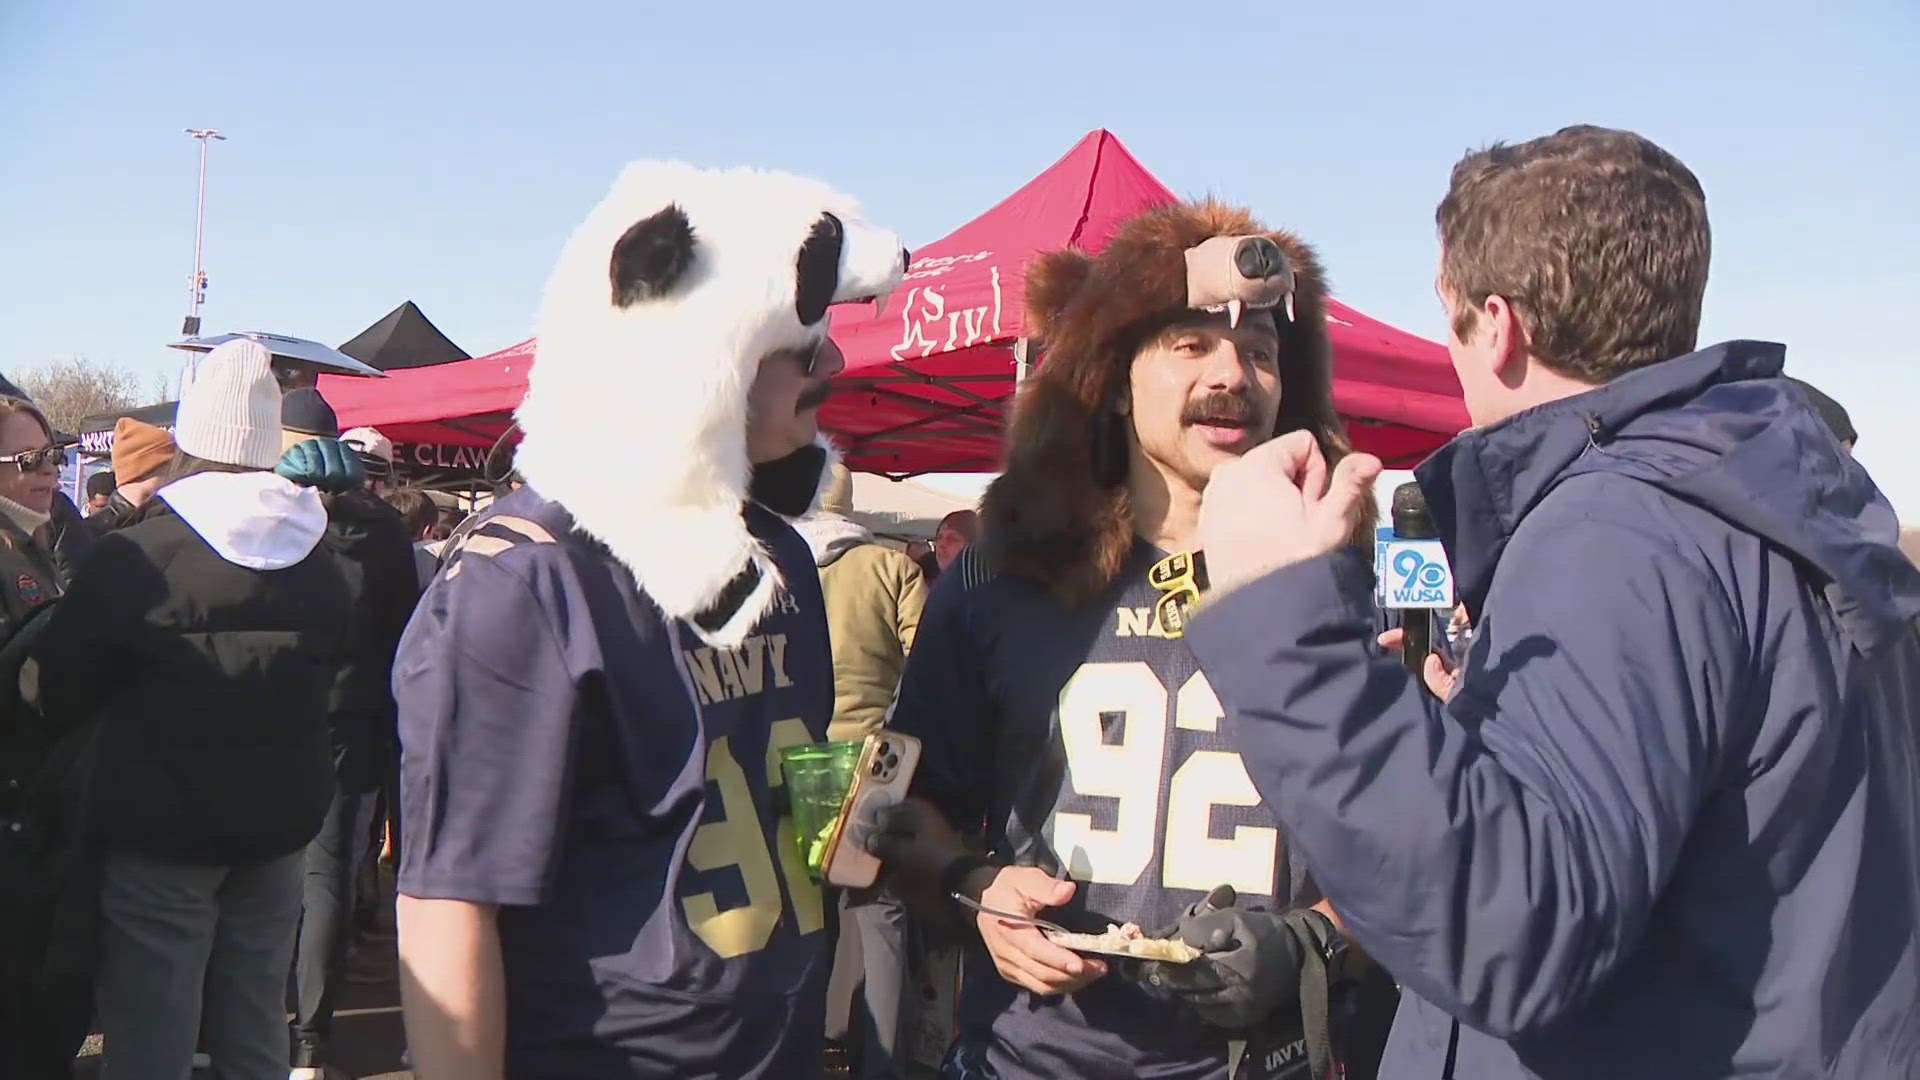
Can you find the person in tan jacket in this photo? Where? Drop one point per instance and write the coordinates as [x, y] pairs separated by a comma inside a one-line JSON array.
[[874, 597]]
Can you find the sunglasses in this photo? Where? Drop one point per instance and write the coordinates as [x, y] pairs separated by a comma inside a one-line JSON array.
[[34, 460], [1180, 579]]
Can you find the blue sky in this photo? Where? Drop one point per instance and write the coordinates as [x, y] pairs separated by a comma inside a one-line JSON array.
[[442, 151]]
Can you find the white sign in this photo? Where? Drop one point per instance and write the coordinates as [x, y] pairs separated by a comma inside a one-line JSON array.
[[1411, 573], [929, 323]]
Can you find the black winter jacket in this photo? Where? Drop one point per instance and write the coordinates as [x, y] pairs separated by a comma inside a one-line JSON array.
[[210, 681], [371, 541], [118, 512]]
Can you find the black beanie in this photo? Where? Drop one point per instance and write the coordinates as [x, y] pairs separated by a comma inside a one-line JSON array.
[[306, 412]]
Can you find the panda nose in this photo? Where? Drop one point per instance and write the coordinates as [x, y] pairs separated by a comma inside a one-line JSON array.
[[1258, 258], [906, 259]]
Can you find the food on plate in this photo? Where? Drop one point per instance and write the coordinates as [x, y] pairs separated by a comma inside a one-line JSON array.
[[1128, 940]]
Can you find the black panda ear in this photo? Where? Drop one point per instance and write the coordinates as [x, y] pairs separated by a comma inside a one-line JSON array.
[[651, 257], [817, 270]]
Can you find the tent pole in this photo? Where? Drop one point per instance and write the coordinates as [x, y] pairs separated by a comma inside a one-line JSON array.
[[1019, 361]]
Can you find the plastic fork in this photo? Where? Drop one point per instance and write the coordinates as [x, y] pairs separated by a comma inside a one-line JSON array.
[[1010, 916]]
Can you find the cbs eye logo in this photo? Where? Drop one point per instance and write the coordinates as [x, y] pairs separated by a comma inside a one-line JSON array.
[[1418, 572]]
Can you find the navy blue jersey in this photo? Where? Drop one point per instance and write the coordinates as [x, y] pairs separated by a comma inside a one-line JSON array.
[[571, 755], [1089, 744]]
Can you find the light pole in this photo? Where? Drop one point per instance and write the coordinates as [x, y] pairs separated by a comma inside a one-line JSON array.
[[197, 286]]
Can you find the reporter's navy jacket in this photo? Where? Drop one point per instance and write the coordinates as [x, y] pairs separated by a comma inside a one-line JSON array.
[[1667, 826]]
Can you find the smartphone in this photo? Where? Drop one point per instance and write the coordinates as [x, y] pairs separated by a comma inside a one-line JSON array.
[[880, 780]]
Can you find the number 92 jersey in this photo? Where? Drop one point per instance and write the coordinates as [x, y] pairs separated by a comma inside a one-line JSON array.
[[1087, 743]]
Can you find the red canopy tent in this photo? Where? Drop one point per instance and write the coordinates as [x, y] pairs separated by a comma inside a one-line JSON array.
[[926, 383], [462, 403]]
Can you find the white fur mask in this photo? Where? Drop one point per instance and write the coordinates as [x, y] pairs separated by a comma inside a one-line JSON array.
[[655, 321]]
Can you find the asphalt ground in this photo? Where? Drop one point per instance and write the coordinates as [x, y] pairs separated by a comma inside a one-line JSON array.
[[368, 1035]]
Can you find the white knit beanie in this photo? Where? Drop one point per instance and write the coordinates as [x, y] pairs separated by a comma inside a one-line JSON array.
[[230, 407]]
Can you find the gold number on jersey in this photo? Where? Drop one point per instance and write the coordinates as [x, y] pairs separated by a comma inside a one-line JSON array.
[[735, 839], [1113, 722]]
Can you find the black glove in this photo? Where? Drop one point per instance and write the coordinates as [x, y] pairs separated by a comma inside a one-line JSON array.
[[1249, 965]]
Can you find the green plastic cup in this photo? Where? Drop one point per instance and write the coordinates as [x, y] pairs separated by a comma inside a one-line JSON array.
[[818, 778]]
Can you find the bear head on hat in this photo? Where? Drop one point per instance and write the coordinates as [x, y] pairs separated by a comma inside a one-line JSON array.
[[655, 320], [1059, 511]]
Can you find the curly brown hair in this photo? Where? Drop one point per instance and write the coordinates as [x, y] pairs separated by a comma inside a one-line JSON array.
[[1597, 237], [1059, 511]]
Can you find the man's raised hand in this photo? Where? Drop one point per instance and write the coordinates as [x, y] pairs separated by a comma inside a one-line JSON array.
[[1276, 506]]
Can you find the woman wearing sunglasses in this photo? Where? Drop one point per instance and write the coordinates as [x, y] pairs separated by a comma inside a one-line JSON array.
[[42, 1022], [29, 475]]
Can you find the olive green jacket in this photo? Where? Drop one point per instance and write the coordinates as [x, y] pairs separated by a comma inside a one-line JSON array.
[[874, 597]]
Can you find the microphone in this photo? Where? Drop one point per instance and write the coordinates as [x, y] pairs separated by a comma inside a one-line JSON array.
[[1411, 573]]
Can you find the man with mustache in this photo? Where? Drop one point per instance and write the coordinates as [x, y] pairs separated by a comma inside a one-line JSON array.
[[1055, 698]]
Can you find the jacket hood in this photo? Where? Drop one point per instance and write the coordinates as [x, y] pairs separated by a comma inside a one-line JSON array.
[[831, 536], [1720, 429], [253, 519], [655, 320]]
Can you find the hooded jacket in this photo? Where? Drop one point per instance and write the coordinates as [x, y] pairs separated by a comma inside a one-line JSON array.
[[874, 598], [1667, 824], [203, 638]]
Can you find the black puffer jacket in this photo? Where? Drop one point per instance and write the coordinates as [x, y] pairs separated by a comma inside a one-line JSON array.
[[70, 536], [372, 543], [118, 511], [207, 651]]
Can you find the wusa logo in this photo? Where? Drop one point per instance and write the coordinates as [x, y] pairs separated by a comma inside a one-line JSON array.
[[1412, 574]]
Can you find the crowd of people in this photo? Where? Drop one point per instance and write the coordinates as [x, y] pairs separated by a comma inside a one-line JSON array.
[[1658, 815], [202, 744]]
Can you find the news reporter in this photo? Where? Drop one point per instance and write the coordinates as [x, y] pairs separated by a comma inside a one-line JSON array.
[[1667, 823]]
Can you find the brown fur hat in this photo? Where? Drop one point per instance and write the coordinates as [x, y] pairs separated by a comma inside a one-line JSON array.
[[1058, 513]]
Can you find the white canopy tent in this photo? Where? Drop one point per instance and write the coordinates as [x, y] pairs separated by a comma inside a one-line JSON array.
[[902, 509]]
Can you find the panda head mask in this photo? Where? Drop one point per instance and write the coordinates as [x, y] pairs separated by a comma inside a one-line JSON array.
[[655, 321]]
